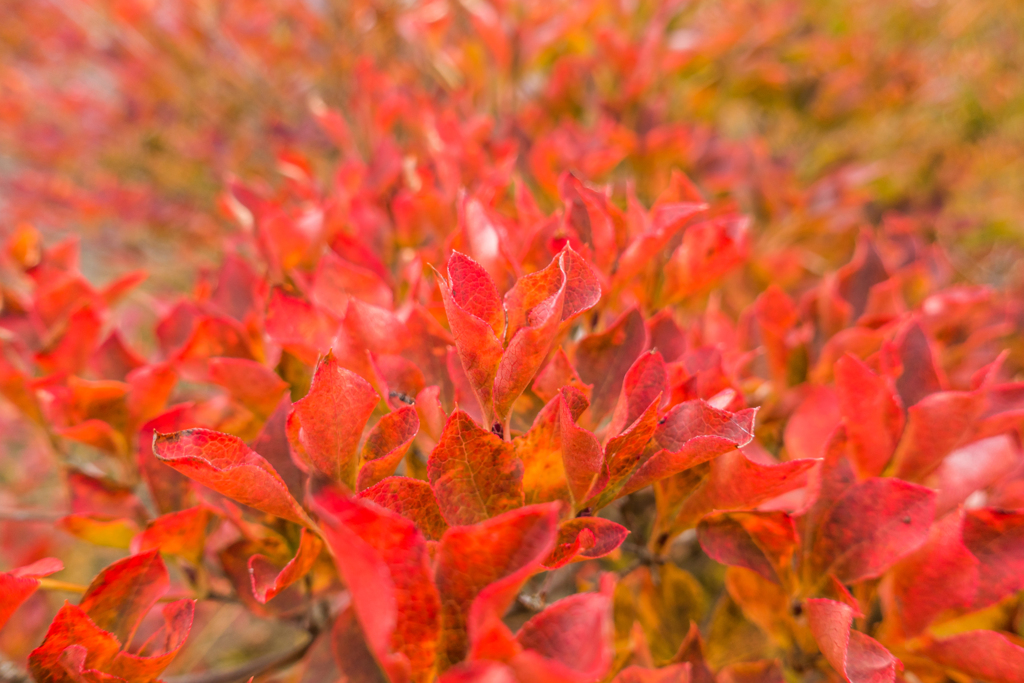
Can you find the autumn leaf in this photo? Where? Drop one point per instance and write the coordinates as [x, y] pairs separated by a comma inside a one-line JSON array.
[[325, 426], [474, 474], [533, 309], [412, 499], [498, 554], [383, 559], [250, 383], [229, 467], [180, 533], [939, 577], [568, 641], [761, 541], [603, 360], [105, 620], [994, 537], [733, 482], [868, 528], [856, 657], [269, 580], [124, 592], [1002, 660], [689, 434], [386, 445], [18, 584], [872, 413], [477, 321], [585, 538]]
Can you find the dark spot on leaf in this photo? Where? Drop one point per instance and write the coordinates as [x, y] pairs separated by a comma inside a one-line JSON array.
[[404, 398]]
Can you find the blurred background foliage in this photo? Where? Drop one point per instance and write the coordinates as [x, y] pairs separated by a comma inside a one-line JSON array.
[[120, 120]]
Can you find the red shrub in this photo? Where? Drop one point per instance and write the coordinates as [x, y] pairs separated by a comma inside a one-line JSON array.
[[476, 395]]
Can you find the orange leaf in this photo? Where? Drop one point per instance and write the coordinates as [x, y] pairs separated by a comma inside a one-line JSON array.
[[474, 474], [268, 580], [412, 499], [325, 427], [229, 467], [386, 445]]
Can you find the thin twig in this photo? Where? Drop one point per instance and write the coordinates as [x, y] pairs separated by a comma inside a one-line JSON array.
[[256, 667], [64, 586]]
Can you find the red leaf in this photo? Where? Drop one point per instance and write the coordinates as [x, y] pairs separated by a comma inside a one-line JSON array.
[[375, 328], [18, 584], [691, 651], [644, 383], [534, 311], [940, 576], [710, 249], [353, 657], [477, 322], [170, 490], [71, 626], [71, 352], [585, 538], [569, 641], [603, 360], [582, 455], [474, 474], [761, 541], [485, 239], [149, 387], [856, 657], [936, 425], [386, 445], [160, 648], [921, 375], [873, 415], [996, 538], [736, 482], [623, 455], [73, 661], [272, 444], [668, 220], [540, 450], [974, 467], [124, 592], [268, 580], [325, 426], [867, 529], [336, 281], [250, 383], [384, 561], [776, 316], [412, 499], [984, 655], [499, 553], [582, 285], [299, 326], [229, 467], [692, 433], [176, 533], [556, 374], [811, 424], [214, 336]]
